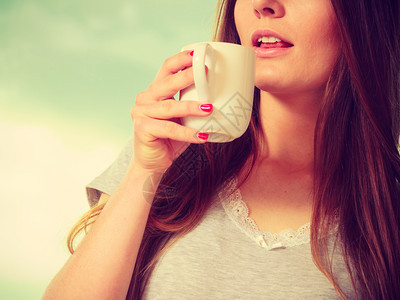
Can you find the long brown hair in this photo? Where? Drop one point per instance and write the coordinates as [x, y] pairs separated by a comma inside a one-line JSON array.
[[357, 164], [356, 155]]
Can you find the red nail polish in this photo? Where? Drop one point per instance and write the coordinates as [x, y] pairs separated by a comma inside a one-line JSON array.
[[206, 107], [191, 53], [203, 136]]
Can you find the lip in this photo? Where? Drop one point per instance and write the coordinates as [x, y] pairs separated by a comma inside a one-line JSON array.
[[269, 52]]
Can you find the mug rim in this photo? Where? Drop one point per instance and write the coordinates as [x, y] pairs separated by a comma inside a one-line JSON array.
[[239, 46]]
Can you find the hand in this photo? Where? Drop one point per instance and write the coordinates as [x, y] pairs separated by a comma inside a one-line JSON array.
[[159, 136]]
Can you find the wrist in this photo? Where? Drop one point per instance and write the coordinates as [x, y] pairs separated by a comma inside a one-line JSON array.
[[146, 181]]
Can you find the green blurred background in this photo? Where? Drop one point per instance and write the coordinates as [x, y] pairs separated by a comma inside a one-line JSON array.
[[69, 73]]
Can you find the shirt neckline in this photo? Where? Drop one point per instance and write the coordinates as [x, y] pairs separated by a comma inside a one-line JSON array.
[[238, 212]]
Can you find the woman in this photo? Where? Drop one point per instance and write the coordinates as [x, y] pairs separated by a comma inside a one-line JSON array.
[[321, 149]]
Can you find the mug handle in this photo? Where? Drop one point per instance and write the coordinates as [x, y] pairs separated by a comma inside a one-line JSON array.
[[199, 71]]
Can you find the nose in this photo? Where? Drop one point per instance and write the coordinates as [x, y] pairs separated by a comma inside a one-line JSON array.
[[271, 8]]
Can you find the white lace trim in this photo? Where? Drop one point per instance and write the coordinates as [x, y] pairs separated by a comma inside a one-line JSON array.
[[237, 210]]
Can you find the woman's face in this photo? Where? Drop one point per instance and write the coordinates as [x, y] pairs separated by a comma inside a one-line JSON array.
[[296, 42]]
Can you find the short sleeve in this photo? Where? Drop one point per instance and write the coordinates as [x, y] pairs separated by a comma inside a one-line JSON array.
[[108, 181]]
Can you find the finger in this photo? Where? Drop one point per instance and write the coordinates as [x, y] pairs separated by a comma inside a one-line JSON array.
[[169, 109], [167, 87], [151, 130], [174, 64]]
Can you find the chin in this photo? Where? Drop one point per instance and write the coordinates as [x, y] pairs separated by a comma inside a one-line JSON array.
[[268, 79], [271, 86]]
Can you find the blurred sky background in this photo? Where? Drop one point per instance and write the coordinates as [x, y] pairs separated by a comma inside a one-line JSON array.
[[69, 73]]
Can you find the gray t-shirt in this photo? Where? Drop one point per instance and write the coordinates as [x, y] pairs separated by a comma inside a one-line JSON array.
[[108, 181], [227, 257]]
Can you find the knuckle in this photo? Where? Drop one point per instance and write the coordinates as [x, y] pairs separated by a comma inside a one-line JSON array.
[[191, 107], [139, 124], [152, 87], [168, 62], [167, 106], [170, 127], [140, 98], [185, 132], [191, 134], [186, 106], [194, 107]]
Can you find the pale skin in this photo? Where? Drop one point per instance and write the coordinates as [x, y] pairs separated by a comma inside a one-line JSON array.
[[102, 266], [291, 87]]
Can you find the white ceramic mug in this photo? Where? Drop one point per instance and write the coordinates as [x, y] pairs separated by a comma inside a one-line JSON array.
[[228, 85]]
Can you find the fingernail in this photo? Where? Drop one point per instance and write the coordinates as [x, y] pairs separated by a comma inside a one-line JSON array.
[[191, 53], [206, 107], [203, 136]]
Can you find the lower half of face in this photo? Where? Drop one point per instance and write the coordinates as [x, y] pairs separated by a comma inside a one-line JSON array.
[[308, 25]]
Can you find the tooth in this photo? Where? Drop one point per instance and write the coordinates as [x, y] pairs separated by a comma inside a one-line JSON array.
[[268, 39]]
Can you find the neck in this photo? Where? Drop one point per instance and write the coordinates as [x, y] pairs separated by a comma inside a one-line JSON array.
[[288, 122]]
